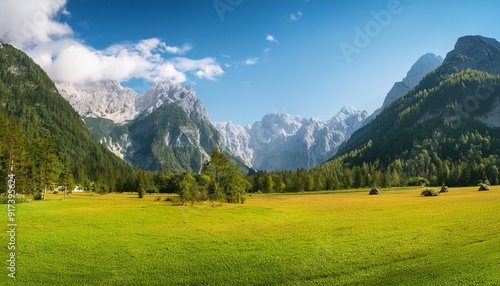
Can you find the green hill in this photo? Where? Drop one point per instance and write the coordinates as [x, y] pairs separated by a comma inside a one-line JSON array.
[[43, 138]]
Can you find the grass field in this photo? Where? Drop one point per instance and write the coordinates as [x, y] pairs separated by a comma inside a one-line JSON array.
[[338, 238]]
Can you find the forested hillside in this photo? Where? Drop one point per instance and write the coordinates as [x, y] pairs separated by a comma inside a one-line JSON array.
[[43, 139]]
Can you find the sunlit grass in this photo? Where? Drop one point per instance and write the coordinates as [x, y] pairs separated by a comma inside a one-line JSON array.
[[335, 238]]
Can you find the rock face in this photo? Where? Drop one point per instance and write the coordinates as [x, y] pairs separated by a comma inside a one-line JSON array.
[[476, 52], [168, 93], [104, 99], [418, 70], [110, 100], [281, 141]]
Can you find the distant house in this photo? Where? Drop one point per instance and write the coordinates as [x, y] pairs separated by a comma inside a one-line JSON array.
[[77, 189]]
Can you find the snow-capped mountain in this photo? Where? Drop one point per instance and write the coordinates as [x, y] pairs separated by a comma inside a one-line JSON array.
[[110, 100], [281, 141], [104, 99], [418, 70]]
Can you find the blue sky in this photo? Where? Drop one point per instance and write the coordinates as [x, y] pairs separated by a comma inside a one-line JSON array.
[[247, 58]]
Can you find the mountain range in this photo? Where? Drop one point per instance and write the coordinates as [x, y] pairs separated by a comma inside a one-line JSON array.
[[116, 116], [281, 141], [143, 131], [167, 128]]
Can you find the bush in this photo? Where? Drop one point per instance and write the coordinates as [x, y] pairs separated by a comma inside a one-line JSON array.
[[429, 193], [140, 193]]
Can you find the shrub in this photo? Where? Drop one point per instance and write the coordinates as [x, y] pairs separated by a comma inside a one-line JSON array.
[[140, 193]]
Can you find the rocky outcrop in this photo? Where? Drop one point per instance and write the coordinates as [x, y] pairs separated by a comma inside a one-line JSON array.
[[476, 52]]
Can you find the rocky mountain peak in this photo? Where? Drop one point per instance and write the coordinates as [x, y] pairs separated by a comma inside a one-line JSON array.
[[106, 99], [418, 70], [110, 100], [476, 52], [421, 67], [167, 93]]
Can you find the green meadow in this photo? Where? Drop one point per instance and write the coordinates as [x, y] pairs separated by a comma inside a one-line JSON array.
[[332, 238]]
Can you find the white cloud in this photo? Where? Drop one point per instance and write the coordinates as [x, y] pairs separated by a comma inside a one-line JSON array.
[[168, 72], [251, 61], [295, 17], [206, 68], [28, 23], [178, 51], [34, 26], [271, 38]]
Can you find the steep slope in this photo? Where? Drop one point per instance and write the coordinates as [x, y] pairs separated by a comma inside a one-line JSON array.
[[449, 120], [30, 100], [280, 141], [170, 139], [418, 70]]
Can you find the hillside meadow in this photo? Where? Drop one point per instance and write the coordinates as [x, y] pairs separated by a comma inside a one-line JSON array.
[[332, 238]]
